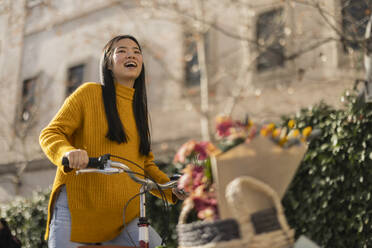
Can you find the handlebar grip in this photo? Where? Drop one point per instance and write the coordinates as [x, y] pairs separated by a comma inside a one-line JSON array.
[[93, 163]]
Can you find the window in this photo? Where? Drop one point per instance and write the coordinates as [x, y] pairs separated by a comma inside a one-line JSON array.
[[355, 16], [270, 39], [75, 78], [28, 98], [192, 70]]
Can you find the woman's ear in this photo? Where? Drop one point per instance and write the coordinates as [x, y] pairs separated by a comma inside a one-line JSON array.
[[109, 65]]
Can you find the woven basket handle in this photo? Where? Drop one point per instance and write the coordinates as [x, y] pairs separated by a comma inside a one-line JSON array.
[[262, 187], [188, 205]]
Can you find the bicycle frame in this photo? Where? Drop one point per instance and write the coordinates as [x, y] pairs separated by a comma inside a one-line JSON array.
[[143, 223]]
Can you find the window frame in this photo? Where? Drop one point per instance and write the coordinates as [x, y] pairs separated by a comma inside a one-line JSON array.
[[91, 73], [345, 59], [282, 63], [74, 87], [185, 35], [36, 78]]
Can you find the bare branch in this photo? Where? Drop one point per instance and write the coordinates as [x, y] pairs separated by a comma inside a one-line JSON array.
[[309, 48]]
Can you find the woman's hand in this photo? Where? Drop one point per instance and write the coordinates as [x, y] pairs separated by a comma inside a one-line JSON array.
[[78, 159], [180, 194]]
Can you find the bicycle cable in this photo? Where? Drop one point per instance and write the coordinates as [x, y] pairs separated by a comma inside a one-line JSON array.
[[161, 192]]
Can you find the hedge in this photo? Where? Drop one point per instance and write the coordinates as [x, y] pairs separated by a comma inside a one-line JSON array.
[[27, 218], [329, 199]]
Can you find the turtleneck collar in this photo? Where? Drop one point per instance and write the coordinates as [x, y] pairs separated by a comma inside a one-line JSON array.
[[124, 91]]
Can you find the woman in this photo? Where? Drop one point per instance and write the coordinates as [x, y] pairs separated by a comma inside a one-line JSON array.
[[98, 119]]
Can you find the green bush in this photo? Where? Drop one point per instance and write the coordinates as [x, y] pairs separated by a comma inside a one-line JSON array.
[[165, 220], [27, 218], [329, 199]]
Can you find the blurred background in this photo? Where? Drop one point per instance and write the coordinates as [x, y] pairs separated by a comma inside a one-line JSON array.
[[203, 58]]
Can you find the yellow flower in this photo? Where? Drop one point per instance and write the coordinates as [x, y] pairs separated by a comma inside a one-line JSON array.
[[264, 131], [294, 133], [283, 140], [207, 214], [271, 126], [291, 123], [276, 132], [250, 123], [267, 129], [222, 118], [307, 131]]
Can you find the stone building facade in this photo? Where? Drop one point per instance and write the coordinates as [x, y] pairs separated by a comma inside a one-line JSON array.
[[49, 47]]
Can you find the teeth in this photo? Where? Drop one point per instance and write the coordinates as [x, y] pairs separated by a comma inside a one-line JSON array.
[[130, 64]]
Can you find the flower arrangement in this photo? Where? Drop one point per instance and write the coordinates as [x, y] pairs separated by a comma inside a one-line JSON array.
[[230, 133], [197, 178], [194, 152], [199, 185], [286, 136]]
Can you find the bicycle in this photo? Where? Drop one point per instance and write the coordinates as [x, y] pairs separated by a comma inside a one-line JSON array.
[[104, 165]]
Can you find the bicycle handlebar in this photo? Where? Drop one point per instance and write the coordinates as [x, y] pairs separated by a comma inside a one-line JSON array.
[[104, 165], [93, 163]]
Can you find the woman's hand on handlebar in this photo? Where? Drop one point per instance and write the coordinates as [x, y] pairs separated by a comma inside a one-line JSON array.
[[78, 159], [180, 194]]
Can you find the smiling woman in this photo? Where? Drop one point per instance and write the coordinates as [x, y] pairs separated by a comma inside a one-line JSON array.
[[94, 120], [126, 62], [118, 52]]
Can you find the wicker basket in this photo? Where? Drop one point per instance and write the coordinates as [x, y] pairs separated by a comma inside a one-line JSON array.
[[207, 234], [261, 228]]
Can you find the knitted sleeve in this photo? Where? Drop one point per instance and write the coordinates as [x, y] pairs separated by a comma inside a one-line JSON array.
[[154, 172], [55, 138]]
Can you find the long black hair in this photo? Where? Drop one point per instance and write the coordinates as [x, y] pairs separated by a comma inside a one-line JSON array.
[[116, 131]]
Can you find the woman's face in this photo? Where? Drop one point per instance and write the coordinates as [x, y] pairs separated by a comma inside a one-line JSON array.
[[126, 60]]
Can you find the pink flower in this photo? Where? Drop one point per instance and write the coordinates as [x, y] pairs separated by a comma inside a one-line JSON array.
[[192, 178], [252, 133], [197, 176], [205, 203], [223, 128], [230, 129], [201, 149], [185, 151], [185, 182]]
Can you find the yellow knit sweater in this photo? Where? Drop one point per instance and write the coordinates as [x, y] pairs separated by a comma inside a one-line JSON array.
[[96, 201]]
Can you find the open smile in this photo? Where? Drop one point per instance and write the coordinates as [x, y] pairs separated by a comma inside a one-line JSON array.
[[130, 64]]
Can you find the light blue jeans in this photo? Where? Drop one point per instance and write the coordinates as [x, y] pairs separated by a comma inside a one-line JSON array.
[[60, 229]]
